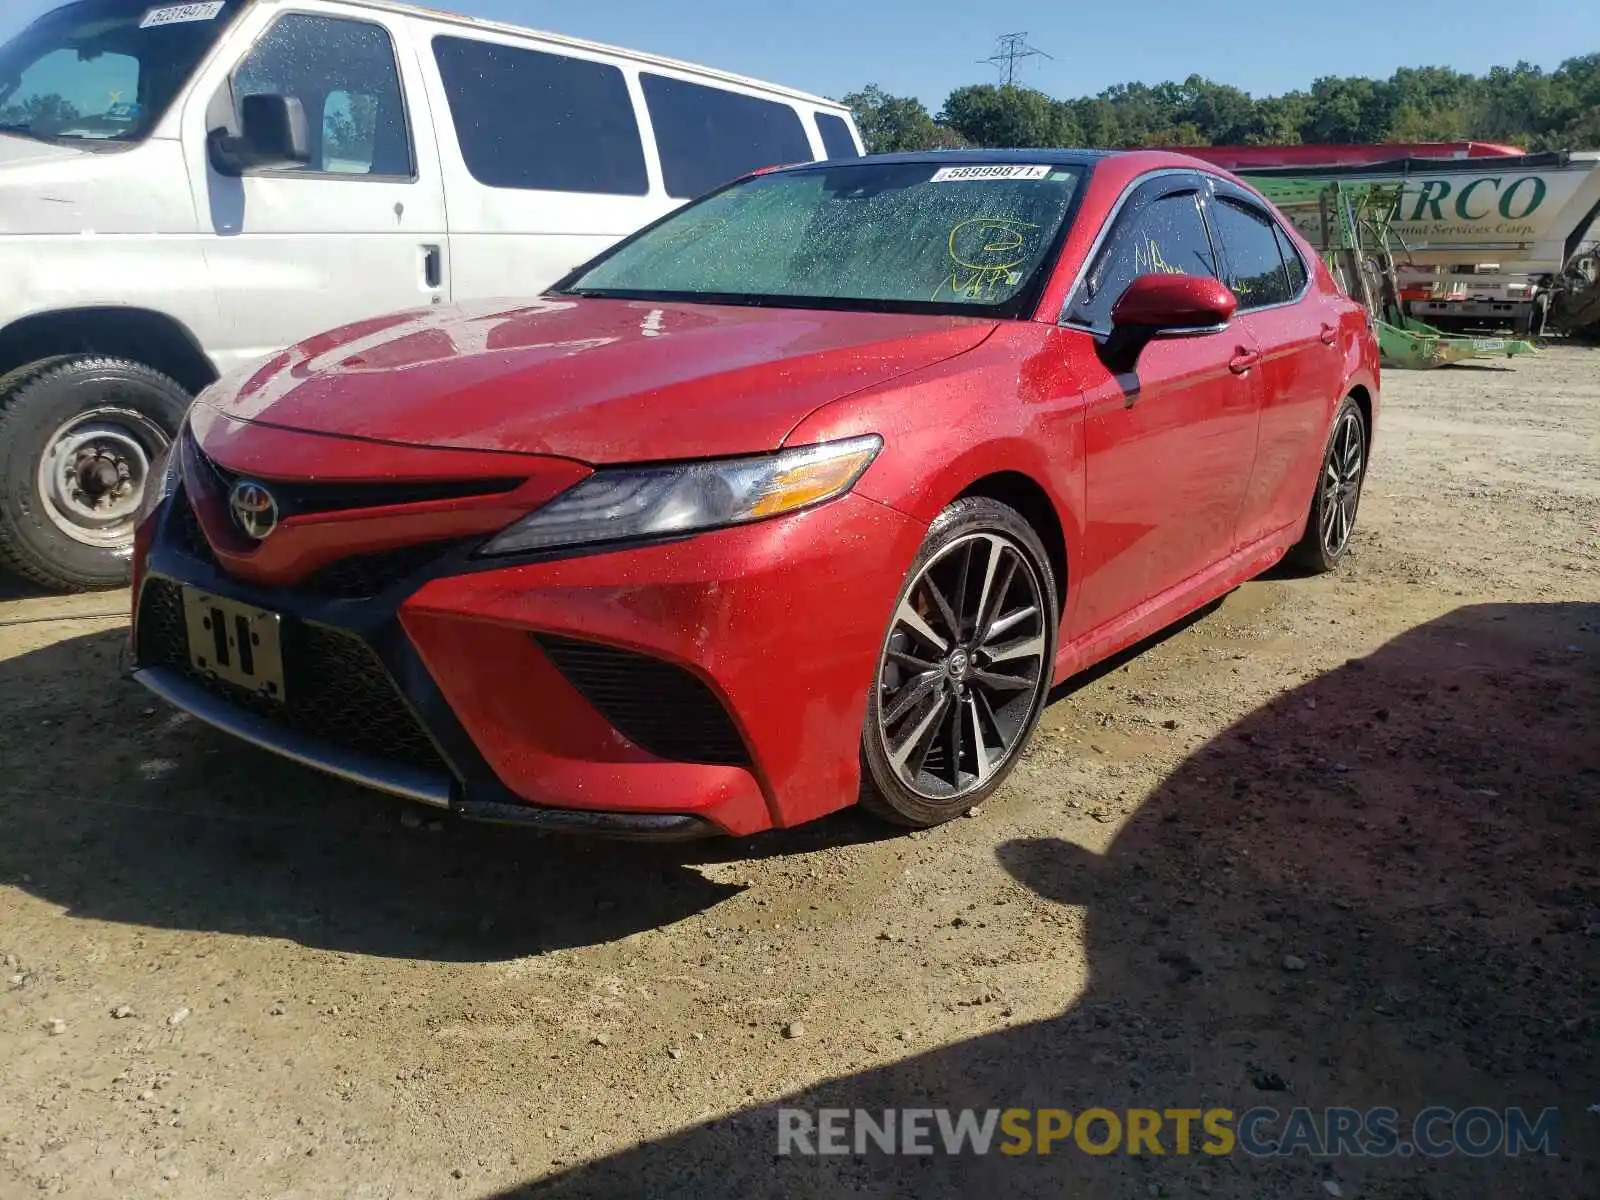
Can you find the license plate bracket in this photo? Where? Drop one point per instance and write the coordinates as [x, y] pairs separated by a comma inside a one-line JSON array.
[[237, 643]]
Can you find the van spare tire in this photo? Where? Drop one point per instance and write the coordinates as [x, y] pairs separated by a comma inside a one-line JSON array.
[[79, 436]]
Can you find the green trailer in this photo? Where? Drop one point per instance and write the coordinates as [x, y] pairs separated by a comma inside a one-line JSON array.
[[1349, 223]]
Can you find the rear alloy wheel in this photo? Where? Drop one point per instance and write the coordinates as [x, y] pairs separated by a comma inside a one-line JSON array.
[[965, 667], [1333, 508]]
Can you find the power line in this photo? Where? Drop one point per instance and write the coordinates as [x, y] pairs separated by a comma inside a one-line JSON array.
[[1010, 49]]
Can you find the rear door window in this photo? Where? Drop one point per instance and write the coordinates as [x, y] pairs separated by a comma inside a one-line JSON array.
[[1157, 233], [836, 139], [1255, 270], [545, 122], [708, 136]]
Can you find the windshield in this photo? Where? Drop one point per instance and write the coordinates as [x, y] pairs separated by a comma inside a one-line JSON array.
[[104, 70], [920, 236]]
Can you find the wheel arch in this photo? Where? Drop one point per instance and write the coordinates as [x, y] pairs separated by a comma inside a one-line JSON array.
[[1363, 398], [1021, 491], [140, 335]]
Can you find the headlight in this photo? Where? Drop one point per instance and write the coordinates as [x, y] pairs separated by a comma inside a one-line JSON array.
[[621, 503], [163, 478]]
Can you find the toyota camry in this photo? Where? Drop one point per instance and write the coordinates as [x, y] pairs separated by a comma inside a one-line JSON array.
[[804, 495]]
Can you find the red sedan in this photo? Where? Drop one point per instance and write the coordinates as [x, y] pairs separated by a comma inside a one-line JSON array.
[[804, 495]]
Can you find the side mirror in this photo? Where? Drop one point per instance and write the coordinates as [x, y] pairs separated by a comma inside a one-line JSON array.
[[1165, 306], [273, 133], [1175, 305]]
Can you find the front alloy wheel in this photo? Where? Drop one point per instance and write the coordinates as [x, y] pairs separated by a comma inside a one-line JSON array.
[[965, 666]]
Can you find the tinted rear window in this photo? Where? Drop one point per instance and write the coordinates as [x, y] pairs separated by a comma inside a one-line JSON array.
[[708, 136], [836, 139], [1255, 267], [526, 119]]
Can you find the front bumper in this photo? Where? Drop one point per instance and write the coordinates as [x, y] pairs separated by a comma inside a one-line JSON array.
[[715, 684]]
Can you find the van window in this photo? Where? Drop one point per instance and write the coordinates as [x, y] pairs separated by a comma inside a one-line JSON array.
[[836, 139], [708, 136], [103, 71], [344, 73], [527, 119]]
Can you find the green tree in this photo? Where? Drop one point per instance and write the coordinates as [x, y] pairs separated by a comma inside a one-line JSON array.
[[890, 123], [43, 112], [1522, 105], [1009, 116]]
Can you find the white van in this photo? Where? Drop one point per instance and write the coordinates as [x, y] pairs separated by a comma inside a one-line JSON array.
[[185, 188]]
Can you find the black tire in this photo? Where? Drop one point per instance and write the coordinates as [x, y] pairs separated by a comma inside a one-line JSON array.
[[140, 410], [1327, 538], [940, 786]]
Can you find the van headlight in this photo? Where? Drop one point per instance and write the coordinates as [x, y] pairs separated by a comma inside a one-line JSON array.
[[625, 503]]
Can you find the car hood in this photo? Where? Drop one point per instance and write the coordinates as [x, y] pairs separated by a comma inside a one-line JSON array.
[[591, 379]]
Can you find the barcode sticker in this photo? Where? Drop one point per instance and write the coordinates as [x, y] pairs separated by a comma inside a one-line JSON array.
[[990, 171], [177, 14]]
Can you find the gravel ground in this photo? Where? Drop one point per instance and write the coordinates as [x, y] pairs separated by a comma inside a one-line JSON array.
[[1332, 843]]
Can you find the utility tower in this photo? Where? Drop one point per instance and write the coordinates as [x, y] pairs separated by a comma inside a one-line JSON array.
[[1010, 49]]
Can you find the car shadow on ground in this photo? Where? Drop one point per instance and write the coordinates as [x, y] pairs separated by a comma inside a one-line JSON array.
[[1379, 889], [117, 807], [122, 809]]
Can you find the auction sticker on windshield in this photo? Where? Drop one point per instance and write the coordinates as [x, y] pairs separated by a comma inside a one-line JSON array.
[[990, 171], [177, 14]]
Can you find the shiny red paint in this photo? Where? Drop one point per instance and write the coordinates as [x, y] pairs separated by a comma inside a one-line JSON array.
[[1174, 301], [782, 618], [596, 380], [1158, 487]]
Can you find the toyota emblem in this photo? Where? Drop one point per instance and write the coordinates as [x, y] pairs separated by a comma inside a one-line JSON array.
[[254, 510]]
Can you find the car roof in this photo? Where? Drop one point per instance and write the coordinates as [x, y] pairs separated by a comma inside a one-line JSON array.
[[1047, 157]]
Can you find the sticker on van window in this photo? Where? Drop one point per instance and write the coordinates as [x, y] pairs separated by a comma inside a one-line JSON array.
[[989, 171], [177, 14]]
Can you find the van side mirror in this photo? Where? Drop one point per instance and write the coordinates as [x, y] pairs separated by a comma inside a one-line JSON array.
[[272, 133], [1165, 306]]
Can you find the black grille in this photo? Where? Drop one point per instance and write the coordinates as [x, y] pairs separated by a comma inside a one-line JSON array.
[[336, 689], [296, 497], [658, 707], [363, 576], [186, 535]]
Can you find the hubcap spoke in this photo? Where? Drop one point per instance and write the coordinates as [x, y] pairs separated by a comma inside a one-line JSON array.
[[946, 613], [982, 767], [1003, 683], [914, 750], [1028, 647], [912, 620], [912, 694], [956, 746], [906, 659], [1004, 625]]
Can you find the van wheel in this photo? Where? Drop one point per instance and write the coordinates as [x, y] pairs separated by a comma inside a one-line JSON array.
[[78, 438], [965, 667]]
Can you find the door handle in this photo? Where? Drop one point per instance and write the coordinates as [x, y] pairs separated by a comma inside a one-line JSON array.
[[1329, 333], [432, 268], [1243, 361]]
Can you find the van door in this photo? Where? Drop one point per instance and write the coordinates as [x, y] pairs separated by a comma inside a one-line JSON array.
[[543, 157], [359, 230]]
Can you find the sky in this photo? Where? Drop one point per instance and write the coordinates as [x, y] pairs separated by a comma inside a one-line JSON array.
[[925, 48]]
